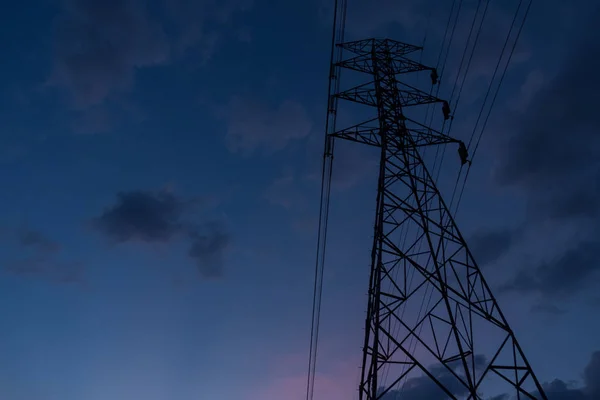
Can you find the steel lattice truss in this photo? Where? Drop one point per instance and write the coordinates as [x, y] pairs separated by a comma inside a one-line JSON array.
[[458, 340]]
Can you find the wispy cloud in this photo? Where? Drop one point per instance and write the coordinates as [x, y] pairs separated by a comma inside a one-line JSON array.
[[99, 46], [201, 25], [40, 257], [208, 249], [286, 192], [253, 126]]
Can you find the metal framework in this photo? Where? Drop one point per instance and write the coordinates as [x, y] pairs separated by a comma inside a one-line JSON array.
[[430, 315]]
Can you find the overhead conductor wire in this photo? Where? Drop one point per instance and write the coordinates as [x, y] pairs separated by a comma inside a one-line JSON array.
[[427, 295], [460, 87], [471, 31], [403, 230], [495, 94], [339, 22]]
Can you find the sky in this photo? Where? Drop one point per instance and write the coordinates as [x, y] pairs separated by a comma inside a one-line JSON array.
[[161, 168]]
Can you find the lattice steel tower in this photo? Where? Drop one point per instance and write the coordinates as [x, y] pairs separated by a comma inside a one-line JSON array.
[[430, 315]]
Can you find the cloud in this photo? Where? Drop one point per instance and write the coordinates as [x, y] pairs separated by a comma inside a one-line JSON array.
[[56, 271], [98, 46], [426, 21], [342, 385], [591, 375], [93, 120], [560, 390], [285, 192], [488, 246], [423, 387], [572, 271], [39, 241], [545, 308], [557, 142], [162, 217], [496, 26], [40, 258], [364, 20], [252, 126], [207, 250], [352, 165], [140, 215], [553, 161], [201, 24]]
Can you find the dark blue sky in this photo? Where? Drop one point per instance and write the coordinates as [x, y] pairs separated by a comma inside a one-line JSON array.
[[160, 167]]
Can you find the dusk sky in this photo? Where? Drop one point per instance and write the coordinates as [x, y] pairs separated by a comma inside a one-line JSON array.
[[160, 163]]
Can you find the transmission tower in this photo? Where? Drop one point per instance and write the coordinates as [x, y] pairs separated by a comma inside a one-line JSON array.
[[431, 315]]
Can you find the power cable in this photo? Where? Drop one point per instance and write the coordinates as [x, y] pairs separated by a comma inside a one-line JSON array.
[[337, 33], [494, 101]]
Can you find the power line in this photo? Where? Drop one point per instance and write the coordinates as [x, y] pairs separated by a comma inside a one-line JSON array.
[[494, 97], [404, 232], [428, 294], [408, 201], [327, 169]]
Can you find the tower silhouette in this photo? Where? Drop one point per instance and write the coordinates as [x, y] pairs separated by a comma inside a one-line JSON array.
[[431, 316]]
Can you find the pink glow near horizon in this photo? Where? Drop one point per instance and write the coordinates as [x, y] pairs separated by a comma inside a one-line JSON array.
[[289, 381]]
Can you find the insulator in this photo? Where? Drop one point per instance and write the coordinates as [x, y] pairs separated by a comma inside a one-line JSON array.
[[434, 76], [446, 110]]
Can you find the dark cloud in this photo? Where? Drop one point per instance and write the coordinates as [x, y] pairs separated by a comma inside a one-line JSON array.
[[489, 246], [162, 217], [144, 216], [423, 387], [560, 390], [553, 160], [558, 130], [556, 145], [40, 257], [99, 44], [574, 270], [591, 375]]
